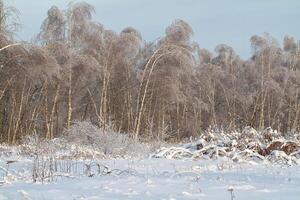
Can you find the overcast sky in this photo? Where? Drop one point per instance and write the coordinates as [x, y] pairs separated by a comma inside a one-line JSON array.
[[214, 21]]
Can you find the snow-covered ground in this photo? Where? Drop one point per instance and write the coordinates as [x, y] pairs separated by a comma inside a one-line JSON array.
[[158, 179], [243, 165]]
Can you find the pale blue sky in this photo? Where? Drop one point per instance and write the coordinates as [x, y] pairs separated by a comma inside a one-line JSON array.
[[214, 21]]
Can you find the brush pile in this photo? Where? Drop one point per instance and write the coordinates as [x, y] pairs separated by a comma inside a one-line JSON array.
[[249, 145]]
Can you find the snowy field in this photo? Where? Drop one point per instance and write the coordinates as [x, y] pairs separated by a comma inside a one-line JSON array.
[[158, 179], [244, 165]]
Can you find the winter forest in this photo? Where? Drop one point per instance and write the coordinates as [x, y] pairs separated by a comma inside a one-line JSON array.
[[79, 91], [171, 88]]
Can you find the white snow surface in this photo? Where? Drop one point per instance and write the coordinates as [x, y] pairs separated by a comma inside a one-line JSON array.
[[219, 166], [152, 179]]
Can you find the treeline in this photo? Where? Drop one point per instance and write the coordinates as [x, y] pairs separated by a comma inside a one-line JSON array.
[[76, 70]]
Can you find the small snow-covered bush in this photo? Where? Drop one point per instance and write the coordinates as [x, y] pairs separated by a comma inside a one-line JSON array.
[[85, 141], [105, 140], [58, 148]]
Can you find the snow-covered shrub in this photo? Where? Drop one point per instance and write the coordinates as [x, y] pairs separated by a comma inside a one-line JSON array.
[[197, 145], [172, 153], [247, 145], [84, 141], [34, 144], [246, 156], [58, 148], [106, 140], [248, 133], [280, 158], [213, 151], [269, 135]]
